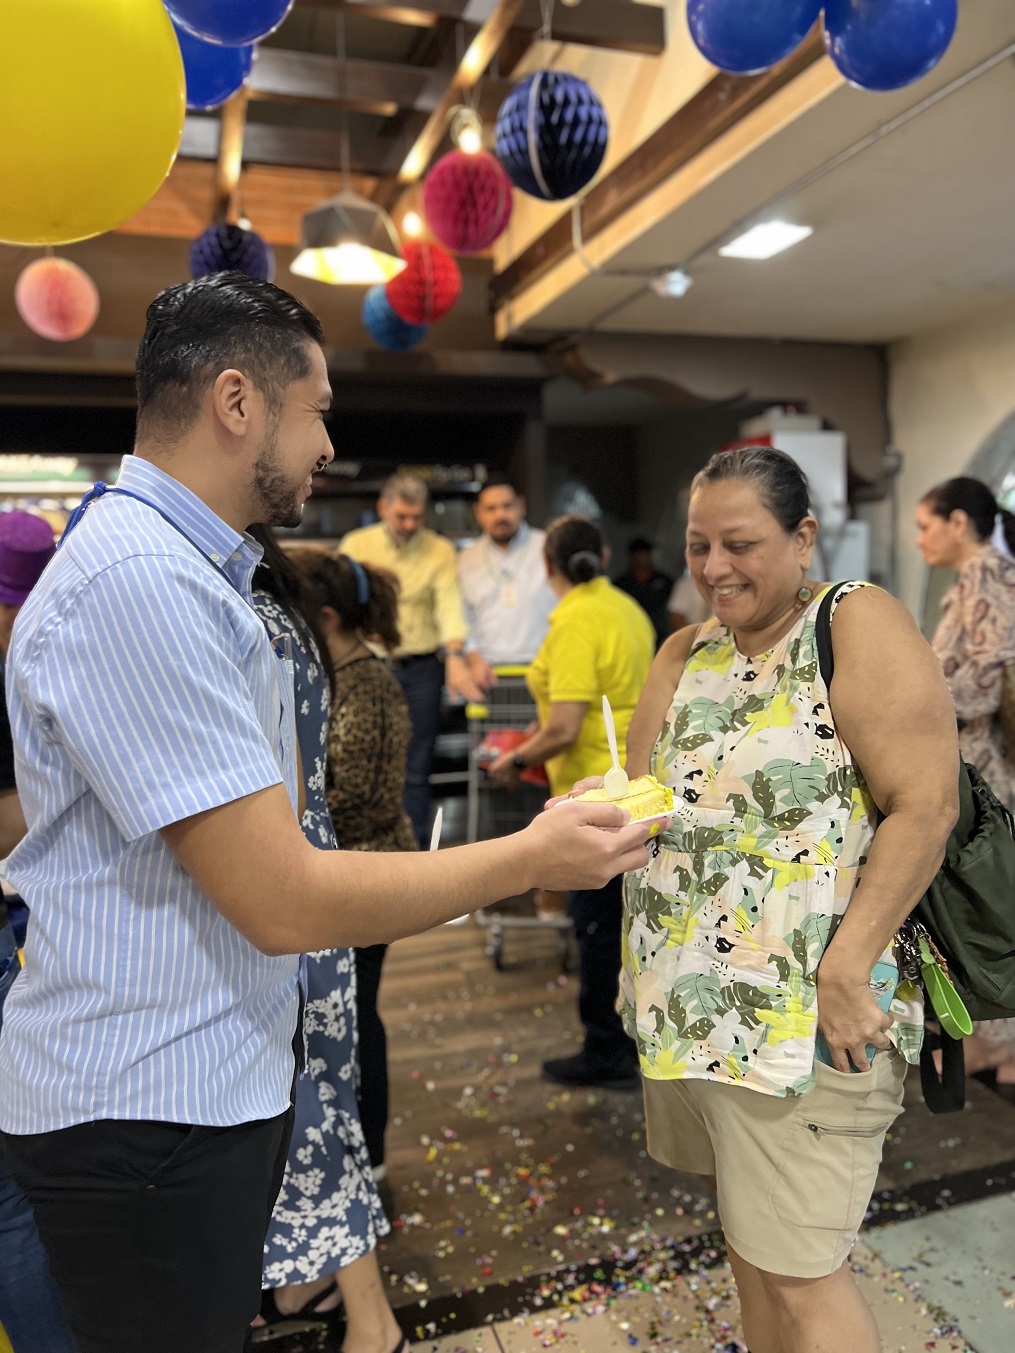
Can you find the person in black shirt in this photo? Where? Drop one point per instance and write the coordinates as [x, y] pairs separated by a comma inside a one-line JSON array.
[[649, 588]]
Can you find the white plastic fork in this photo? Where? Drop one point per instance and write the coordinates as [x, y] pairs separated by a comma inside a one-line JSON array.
[[616, 784]]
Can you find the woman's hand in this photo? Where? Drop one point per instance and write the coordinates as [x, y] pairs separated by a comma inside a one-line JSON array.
[[504, 772], [849, 1017]]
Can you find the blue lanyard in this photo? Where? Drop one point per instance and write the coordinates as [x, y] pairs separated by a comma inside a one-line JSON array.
[[100, 489]]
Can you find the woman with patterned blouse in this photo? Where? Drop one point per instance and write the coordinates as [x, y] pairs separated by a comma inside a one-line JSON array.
[[957, 524], [754, 960]]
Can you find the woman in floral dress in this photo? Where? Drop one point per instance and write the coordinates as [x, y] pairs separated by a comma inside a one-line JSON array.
[[957, 525], [320, 1247], [755, 960]]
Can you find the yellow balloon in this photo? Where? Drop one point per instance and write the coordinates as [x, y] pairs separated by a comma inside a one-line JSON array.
[[92, 101]]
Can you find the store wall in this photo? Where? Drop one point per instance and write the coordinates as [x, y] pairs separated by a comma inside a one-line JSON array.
[[949, 389]]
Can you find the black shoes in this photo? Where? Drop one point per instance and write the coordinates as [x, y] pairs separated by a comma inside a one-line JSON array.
[[581, 1071]]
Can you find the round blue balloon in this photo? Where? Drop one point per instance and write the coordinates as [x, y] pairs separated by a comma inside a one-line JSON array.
[[747, 36], [213, 74], [882, 45], [551, 135], [225, 247], [229, 23], [385, 327]]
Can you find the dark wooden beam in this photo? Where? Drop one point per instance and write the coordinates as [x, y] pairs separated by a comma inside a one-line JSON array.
[[295, 147], [622, 25], [718, 106], [471, 69], [379, 87]]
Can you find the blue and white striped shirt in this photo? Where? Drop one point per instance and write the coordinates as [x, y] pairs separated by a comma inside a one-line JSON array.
[[142, 689]]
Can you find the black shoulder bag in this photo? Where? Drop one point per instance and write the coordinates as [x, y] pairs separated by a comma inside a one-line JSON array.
[[967, 913]]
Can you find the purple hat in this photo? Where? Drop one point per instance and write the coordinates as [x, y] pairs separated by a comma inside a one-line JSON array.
[[26, 547]]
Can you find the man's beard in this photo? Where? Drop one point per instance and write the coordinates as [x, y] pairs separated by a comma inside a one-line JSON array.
[[277, 496]]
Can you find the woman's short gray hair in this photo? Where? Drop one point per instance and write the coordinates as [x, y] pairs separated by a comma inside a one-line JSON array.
[[407, 488]]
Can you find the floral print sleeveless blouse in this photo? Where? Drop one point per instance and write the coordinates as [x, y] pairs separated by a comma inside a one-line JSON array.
[[725, 927]]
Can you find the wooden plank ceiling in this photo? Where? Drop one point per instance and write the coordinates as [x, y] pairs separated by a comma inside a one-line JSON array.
[[276, 149]]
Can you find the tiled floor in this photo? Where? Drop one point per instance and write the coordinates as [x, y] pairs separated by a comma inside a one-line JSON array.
[[698, 1314], [964, 1261]]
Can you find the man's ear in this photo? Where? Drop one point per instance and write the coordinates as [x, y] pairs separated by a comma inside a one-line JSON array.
[[607, 556], [232, 397]]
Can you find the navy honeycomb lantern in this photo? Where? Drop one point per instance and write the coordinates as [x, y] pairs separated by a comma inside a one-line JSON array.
[[230, 248], [551, 135]]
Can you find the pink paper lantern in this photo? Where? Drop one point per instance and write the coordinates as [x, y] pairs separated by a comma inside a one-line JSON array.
[[56, 299], [467, 200]]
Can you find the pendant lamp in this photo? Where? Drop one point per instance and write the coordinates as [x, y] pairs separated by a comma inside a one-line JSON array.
[[347, 240]]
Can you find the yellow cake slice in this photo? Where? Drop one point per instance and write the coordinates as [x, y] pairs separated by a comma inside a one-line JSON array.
[[647, 798]]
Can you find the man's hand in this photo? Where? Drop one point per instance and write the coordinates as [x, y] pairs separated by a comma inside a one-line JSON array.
[[458, 679], [584, 845], [480, 670], [849, 1016]]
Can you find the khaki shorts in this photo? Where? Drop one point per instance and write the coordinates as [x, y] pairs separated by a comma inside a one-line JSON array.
[[794, 1175]]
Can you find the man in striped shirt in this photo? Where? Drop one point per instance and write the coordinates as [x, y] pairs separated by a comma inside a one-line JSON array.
[[147, 1053]]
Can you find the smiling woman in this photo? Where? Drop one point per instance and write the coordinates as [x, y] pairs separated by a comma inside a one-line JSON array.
[[746, 936]]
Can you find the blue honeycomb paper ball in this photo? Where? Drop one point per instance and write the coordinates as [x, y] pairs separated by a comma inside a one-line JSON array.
[[230, 248], [551, 135], [385, 327]]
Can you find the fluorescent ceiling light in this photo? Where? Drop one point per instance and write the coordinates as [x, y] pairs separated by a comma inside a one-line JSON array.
[[676, 282], [766, 240]]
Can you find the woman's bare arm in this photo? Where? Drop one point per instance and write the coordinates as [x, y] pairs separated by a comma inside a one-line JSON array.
[[891, 707]]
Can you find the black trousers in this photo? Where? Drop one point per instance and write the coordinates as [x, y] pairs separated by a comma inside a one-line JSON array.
[[422, 680], [373, 1051], [154, 1231], [597, 916]]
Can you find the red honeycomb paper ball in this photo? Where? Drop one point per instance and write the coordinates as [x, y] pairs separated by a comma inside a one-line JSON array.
[[428, 286], [467, 200]]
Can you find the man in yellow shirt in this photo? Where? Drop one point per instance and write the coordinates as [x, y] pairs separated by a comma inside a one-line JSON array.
[[431, 620]]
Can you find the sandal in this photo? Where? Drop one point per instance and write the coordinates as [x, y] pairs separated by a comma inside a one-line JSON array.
[[304, 1320]]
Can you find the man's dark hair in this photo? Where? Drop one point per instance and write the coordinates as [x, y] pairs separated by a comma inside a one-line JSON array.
[[197, 329], [640, 546], [497, 482]]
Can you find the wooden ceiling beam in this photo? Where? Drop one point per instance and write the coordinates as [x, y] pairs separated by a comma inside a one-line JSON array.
[[621, 25], [379, 87], [470, 71], [294, 147], [230, 156], [717, 106]]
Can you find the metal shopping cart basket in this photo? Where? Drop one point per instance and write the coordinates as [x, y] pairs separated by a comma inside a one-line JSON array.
[[494, 811]]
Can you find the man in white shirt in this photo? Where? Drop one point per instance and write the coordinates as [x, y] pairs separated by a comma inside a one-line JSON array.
[[504, 584]]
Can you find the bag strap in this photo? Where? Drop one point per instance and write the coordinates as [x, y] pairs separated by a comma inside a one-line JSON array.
[[945, 1093], [823, 632]]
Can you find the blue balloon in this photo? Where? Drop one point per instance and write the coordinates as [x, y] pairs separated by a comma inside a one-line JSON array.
[[213, 74], [551, 135], [747, 36], [385, 327], [229, 23], [885, 44]]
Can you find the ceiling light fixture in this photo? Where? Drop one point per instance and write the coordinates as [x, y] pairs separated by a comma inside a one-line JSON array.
[[766, 240], [671, 284], [467, 130], [348, 240]]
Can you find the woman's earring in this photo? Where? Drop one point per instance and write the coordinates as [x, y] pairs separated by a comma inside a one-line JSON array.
[[804, 594]]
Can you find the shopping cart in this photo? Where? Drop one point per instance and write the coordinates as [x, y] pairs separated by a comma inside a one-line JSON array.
[[494, 811]]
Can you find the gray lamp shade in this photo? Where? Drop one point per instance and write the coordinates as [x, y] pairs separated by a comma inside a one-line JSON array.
[[348, 239]]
